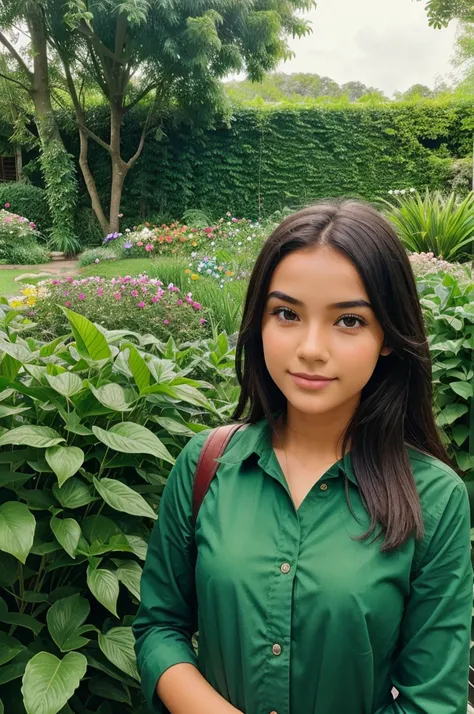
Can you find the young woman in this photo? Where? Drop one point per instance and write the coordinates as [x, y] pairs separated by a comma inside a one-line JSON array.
[[330, 561]]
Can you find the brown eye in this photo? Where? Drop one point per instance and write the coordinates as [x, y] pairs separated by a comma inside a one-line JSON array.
[[284, 314], [352, 321]]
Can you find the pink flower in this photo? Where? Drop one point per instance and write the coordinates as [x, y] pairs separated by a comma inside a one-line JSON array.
[[197, 305], [69, 280], [235, 220], [100, 292], [202, 321], [179, 302], [169, 239], [81, 296], [7, 205], [140, 243], [32, 225], [134, 293], [148, 247], [67, 303], [166, 322], [155, 299], [117, 296], [141, 304], [66, 293], [144, 290], [97, 260], [56, 282]]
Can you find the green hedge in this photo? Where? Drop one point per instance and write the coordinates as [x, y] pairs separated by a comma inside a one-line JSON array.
[[28, 201], [285, 155]]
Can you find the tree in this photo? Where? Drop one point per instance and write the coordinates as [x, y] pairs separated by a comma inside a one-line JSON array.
[[167, 55], [32, 76], [441, 12]]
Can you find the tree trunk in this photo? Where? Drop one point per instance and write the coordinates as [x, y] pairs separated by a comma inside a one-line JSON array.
[[58, 167], [119, 169]]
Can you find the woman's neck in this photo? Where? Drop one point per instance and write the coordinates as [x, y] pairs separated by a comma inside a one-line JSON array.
[[314, 435]]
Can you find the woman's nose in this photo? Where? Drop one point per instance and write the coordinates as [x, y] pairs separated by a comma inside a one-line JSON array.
[[313, 346]]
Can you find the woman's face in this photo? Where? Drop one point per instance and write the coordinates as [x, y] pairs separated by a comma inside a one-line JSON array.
[[318, 322]]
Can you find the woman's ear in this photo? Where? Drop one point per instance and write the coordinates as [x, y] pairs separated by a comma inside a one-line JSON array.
[[386, 351]]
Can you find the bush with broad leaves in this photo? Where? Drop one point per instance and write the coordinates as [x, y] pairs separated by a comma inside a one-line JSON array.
[[90, 425]]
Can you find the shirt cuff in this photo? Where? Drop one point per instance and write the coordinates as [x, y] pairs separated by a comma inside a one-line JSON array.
[[158, 660]]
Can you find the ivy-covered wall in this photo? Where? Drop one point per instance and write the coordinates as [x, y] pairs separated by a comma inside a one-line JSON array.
[[286, 156]]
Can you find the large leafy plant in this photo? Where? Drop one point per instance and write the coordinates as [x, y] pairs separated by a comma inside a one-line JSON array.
[[448, 307], [90, 425], [434, 223]]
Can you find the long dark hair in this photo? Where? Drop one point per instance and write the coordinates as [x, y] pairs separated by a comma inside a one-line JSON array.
[[396, 405]]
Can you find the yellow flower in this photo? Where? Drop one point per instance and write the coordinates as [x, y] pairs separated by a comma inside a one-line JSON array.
[[194, 243], [194, 276], [28, 291], [31, 300], [187, 271], [16, 303], [229, 272]]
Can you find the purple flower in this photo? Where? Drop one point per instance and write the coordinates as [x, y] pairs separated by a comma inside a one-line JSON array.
[[134, 293], [128, 245], [202, 321], [141, 304], [166, 322], [81, 296], [155, 298]]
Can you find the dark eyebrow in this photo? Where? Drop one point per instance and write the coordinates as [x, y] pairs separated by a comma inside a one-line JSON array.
[[336, 306]]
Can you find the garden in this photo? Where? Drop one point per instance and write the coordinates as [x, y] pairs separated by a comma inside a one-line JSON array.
[[106, 374]]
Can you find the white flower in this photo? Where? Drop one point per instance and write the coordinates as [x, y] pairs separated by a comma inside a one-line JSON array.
[[249, 238], [213, 242], [413, 190], [391, 193], [194, 254], [127, 230], [239, 243], [403, 191]]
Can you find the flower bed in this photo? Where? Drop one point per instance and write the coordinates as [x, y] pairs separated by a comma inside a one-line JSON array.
[[19, 240], [140, 304]]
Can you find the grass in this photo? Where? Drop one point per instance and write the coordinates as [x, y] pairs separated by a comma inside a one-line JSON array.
[[118, 268], [8, 286]]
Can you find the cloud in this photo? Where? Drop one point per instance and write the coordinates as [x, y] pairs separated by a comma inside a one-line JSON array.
[[383, 43]]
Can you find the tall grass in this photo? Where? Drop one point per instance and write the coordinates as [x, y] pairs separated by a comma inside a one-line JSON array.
[[438, 224]]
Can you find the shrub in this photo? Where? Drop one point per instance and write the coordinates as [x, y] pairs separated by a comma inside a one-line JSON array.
[[89, 429], [88, 227], [27, 200], [434, 224], [424, 264], [119, 303], [448, 308], [97, 255], [19, 240]]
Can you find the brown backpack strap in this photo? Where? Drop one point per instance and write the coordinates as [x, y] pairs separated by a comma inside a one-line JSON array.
[[214, 447]]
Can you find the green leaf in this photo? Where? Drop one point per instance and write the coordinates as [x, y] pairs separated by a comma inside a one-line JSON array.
[[99, 529], [75, 426], [464, 389], [460, 433], [118, 646], [65, 621], [20, 619], [17, 351], [108, 689], [129, 573], [138, 367], [38, 436], [65, 461], [89, 341], [67, 533], [48, 682], [450, 413], [181, 392], [130, 438], [74, 493], [123, 498], [9, 367], [66, 383], [138, 545], [111, 395], [8, 570], [9, 648], [7, 410], [173, 427], [104, 586], [17, 529]]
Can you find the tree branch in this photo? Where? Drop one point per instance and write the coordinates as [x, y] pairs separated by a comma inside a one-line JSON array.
[[15, 81], [16, 56], [138, 99], [84, 28]]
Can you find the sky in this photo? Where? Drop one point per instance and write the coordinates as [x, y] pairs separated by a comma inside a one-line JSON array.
[[386, 44]]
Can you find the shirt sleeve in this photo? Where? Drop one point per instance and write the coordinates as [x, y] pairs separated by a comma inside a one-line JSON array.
[[431, 669], [167, 616]]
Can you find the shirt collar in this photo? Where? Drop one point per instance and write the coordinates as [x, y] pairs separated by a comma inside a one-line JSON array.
[[257, 439]]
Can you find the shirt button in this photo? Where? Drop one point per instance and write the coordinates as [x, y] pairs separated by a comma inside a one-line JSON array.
[[324, 487], [273, 712], [285, 568], [276, 649]]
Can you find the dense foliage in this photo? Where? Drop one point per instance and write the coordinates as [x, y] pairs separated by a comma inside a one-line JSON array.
[[89, 429], [288, 155], [19, 240]]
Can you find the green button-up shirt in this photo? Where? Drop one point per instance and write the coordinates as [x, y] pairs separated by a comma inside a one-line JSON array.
[[294, 615]]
